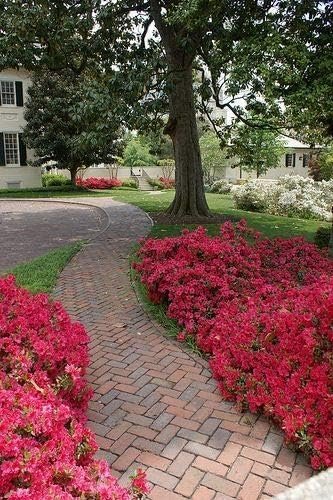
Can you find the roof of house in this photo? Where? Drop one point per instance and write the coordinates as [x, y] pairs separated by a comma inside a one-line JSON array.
[[289, 142]]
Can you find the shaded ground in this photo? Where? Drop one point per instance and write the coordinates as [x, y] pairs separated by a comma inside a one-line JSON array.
[[29, 229]]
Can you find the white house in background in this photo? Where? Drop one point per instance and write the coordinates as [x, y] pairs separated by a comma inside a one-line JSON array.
[[14, 156], [294, 161]]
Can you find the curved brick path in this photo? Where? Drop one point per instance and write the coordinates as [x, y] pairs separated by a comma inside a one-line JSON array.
[[156, 406]]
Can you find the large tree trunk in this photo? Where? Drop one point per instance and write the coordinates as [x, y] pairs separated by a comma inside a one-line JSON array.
[[73, 170], [182, 127]]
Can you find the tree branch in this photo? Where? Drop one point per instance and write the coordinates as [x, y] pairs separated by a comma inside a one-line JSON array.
[[132, 6], [146, 26], [262, 125]]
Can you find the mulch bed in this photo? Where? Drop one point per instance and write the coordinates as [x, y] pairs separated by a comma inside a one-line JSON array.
[[163, 218]]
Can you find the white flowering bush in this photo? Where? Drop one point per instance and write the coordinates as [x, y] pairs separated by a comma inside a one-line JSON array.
[[251, 196], [291, 196], [222, 186]]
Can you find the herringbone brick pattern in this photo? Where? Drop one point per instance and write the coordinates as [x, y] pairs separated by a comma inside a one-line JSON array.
[[156, 406]]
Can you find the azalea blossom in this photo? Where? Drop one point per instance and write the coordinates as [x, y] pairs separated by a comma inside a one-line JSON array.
[[263, 311], [291, 195], [46, 450]]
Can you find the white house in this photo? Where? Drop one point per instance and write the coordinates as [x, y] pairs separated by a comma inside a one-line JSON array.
[[14, 156], [294, 161]]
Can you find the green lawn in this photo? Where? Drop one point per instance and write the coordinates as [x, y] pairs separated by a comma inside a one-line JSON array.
[[270, 225], [50, 192], [41, 274]]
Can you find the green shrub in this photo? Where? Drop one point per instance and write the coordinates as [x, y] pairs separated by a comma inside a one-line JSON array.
[[130, 183], [155, 183], [55, 180], [52, 189], [222, 186], [322, 237]]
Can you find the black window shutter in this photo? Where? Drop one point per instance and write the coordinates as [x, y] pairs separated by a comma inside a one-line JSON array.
[[2, 151], [19, 93], [23, 151], [305, 160], [294, 159], [287, 160]]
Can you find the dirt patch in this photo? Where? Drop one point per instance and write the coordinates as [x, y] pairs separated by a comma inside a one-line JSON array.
[[163, 218]]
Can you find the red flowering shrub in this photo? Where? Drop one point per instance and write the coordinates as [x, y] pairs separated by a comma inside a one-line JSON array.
[[167, 183], [46, 452], [139, 484], [263, 310], [98, 183]]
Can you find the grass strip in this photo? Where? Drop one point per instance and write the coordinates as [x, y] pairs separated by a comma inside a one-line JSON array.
[[41, 274]]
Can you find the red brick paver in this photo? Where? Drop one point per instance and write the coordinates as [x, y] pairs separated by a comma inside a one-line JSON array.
[[155, 405]]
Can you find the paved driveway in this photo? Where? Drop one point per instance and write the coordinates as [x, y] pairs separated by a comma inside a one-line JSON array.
[[32, 228]]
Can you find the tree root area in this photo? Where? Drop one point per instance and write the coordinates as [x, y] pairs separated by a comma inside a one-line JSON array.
[[164, 218]]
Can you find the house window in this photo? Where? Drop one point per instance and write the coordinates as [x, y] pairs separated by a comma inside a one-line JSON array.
[[8, 93], [290, 159], [11, 149], [305, 160]]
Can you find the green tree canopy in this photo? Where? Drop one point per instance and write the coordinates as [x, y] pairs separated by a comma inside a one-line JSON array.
[[63, 129], [49, 34], [213, 157], [255, 149], [276, 56], [136, 154]]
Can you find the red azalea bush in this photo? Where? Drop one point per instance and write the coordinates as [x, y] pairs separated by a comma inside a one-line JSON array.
[[167, 183], [263, 310], [46, 451], [98, 183]]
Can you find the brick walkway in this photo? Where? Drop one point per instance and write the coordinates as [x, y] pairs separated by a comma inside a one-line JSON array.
[[155, 406]]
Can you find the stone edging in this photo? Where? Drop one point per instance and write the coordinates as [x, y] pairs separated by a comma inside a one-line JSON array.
[[156, 325]]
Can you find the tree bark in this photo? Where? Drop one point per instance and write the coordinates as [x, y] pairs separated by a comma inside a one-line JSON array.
[[182, 126], [73, 170]]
